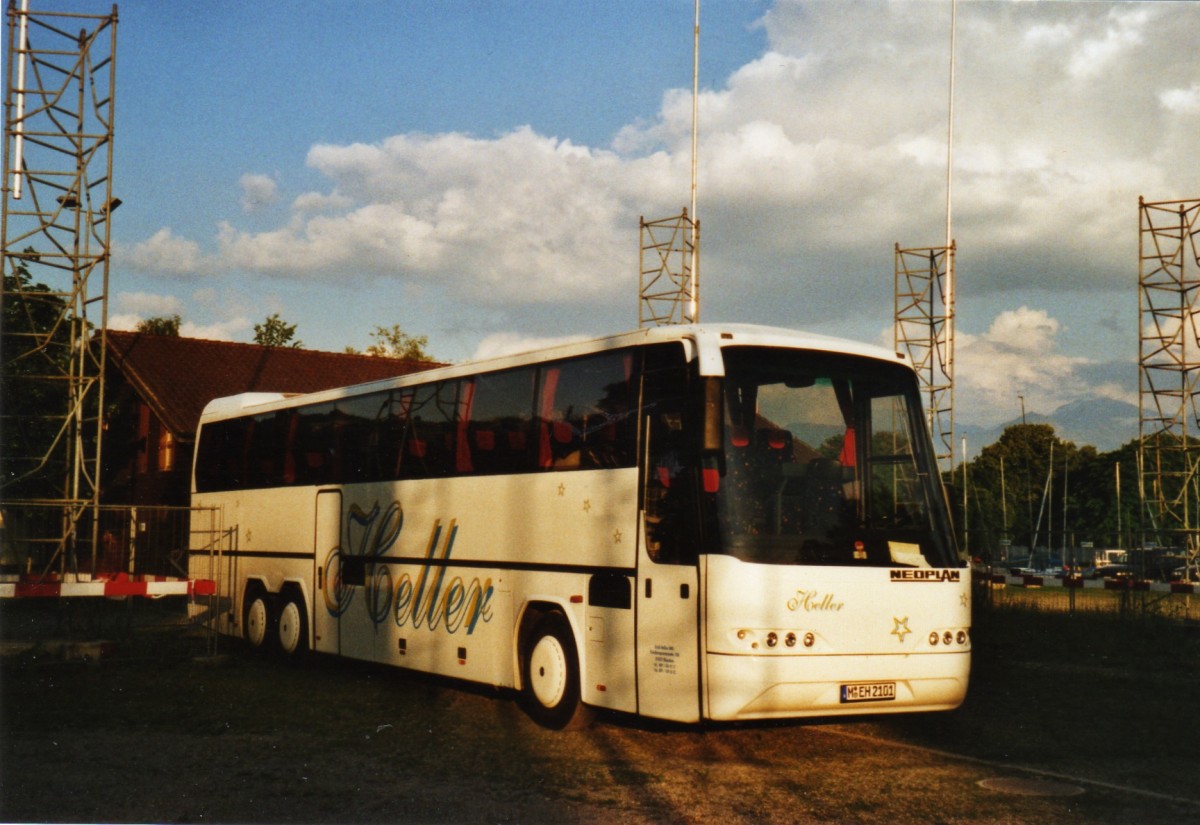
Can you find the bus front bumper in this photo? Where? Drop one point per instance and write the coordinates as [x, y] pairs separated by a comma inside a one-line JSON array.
[[768, 687]]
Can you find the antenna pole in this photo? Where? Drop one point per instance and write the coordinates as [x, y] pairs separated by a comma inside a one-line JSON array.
[[695, 308]]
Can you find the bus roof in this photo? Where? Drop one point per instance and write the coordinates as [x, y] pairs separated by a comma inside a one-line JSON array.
[[705, 341]]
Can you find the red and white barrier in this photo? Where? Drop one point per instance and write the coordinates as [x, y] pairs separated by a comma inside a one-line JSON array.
[[122, 584]]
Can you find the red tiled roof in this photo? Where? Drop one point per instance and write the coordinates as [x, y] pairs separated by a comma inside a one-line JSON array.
[[178, 376]]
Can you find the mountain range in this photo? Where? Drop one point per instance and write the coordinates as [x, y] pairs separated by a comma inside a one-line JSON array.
[[1104, 423]]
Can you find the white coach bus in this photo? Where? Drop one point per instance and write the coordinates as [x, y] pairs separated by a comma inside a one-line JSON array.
[[685, 522]]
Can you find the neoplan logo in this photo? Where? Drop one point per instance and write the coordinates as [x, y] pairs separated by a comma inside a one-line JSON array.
[[926, 575]]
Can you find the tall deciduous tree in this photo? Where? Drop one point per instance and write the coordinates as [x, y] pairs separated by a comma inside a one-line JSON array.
[[36, 350], [276, 332], [161, 325], [395, 343]]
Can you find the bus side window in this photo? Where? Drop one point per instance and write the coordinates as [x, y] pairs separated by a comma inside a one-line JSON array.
[[421, 457], [221, 462], [358, 437], [315, 445], [586, 413], [391, 422], [499, 432], [268, 444]]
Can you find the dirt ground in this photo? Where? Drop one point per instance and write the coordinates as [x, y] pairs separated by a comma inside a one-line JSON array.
[[152, 728]]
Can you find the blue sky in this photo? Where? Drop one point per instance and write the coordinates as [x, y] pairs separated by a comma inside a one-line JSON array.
[[475, 171]]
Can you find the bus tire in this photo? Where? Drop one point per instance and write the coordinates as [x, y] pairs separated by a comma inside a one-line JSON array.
[[550, 682], [257, 619], [292, 629]]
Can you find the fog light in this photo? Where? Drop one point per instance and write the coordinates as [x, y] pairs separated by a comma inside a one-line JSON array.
[[741, 634], [772, 639], [962, 637], [933, 638], [809, 639], [948, 637], [790, 640]]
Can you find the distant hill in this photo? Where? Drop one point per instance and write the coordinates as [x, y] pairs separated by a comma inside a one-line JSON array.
[[1104, 423]]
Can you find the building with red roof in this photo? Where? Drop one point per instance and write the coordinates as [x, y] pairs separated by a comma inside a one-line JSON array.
[[157, 386]]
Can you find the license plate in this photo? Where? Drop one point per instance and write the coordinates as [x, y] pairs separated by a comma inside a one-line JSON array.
[[869, 692]]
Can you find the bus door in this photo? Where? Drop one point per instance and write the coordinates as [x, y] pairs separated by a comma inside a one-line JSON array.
[[326, 594], [668, 661], [668, 592]]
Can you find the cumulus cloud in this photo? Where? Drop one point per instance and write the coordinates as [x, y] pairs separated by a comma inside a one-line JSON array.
[[1182, 101], [521, 218], [146, 304], [233, 329], [164, 253], [258, 192], [1017, 356], [512, 343]]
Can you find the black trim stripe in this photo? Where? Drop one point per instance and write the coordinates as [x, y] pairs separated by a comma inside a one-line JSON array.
[[425, 561]]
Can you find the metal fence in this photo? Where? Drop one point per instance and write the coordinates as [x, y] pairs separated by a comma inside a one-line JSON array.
[[104, 541], [1129, 598]]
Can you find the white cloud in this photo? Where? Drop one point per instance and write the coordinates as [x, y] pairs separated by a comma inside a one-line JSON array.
[[147, 304], [1093, 55], [321, 202], [522, 218], [163, 253], [510, 343], [1017, 356], [126, 322], [258, 192], [233, 329], [1181, 101]]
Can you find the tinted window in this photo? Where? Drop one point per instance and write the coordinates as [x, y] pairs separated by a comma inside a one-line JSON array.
[[586, 413], [579, 413], [500, 433]]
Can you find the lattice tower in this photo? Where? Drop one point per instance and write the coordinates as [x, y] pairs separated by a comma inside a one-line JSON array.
[[1169, 346], [58, 198], [924, 330], [670, 270]]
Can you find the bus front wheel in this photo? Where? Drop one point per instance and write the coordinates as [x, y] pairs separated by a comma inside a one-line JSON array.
[[550, 689]]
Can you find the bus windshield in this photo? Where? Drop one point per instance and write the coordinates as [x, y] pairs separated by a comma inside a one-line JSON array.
[[827, 462]]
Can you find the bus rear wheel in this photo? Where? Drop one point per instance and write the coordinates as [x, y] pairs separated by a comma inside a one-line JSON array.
[[550, 684], [292, 632]]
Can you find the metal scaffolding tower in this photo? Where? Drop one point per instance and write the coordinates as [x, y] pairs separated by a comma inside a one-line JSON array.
[[670, 268], [58, 144], [924, 330], [1169, 345]]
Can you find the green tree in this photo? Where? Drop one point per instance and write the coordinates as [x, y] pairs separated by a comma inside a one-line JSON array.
[[160, 325], [395, 343], [1006, 488], [275, 332], [36, 350]]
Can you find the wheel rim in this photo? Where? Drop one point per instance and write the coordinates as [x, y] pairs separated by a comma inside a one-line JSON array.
[[289, 628], [256, 622], [548, 672]]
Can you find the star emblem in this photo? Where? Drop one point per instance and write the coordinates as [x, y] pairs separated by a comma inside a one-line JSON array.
[[901, 628], [562, 489], [587, 505], [616, 537], [963, 599]]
